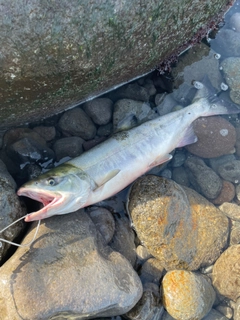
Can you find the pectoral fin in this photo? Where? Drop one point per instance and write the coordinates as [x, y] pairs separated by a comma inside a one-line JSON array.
[[188, 138], [160, 160], [110, 175]]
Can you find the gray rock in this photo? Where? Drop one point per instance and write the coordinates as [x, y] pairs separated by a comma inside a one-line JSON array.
[[216, 162], [230, 171], [237, 310], [68, 267], [13, 135], [187, 295], [238, 192], [104, 131], [99, 110], [178, 159], [166, 316], [225, 310], [149, 86], [124, 109], [87, 145], [235, 22], [131, 91], [214, 315], [204, 177], [149, 306], [77, 123], [142, 254], [123, 239], [166, 173], [151, 271], [11, 209], [180, 176], [166, 105], [48, 133], [231, 210], [103, 220], [229, 67], [229, 42], [68, 147]]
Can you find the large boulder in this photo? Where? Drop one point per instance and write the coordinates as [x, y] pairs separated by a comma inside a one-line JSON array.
[[56, 54]]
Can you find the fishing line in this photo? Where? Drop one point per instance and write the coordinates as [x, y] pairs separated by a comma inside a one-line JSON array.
[[17, 244]]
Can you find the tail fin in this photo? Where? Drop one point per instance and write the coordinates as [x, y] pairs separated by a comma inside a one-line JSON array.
[[216, 104]]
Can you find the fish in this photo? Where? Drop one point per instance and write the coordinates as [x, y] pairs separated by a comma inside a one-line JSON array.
[[114, 164]]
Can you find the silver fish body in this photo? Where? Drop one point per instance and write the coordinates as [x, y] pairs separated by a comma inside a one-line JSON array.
[[111, 166]]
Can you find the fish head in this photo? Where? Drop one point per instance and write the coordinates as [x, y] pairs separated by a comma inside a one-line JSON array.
[[61, 190]]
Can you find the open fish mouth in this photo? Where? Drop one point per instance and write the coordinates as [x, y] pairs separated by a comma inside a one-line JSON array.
[[48, 200]]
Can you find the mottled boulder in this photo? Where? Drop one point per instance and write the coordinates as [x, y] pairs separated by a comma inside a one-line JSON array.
[[68, 271], [226, 273], [216, 137], [230, 171], [176, 224], [68, 147], [187, 295], [99, 110]]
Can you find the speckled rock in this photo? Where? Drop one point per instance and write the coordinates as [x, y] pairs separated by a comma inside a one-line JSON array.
[[230, 171], [68, 269], [124, 109], [229, 67], [123, 239], [99, 110], [76, 122], [131, 91], [11, 209], [187, 295], [226, 194], [177, 225], [103, 220], [216, 137], [237, 310], [68, 147], [234, 233], [216, 162], [203, 177], [235, 22], [231, 210], [226, 273]]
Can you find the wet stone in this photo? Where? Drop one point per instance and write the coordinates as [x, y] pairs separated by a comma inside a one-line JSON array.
[[142, 254], [170, 220], [151, 271], [99, 110], [178, 159], [48, 133], [87, 145], [13, 135], [68, 147], [216, 162], [216, 137], [231, 210], [237, 310], [226, 273], [77, 123], [214, 315], [226, 194], [187, 295], [131, 91], [230, 171], [225, 310], [103, 220], [234, 233], [11, 209], [229, 41], [68, 267], [123, 239], [104, 131], [235, 22], [229, 67], [207, 181], [180, 176]]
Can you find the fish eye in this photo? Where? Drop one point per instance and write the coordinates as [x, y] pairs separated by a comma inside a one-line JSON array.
[[51, 181]]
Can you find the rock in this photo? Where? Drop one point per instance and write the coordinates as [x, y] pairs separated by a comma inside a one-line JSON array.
[[226, 311], [131, 91], [178, 159], [229, 42], [203, 177], [166, 316], [48, 133], [88, 279], [230, 171], [149, 86], [126, 108], [14, 135], [216, 162], [237, 145], [166, 173], [104, 131], [11, 209], [99, 110], [226, 194], [151, 271], [187, 295], [234, 233], [77, 123], [214, 315], [235, 22], [123, 239], [142, 254], [216, 137], [87, 145], [149, 307], [166, 105], [68, 147], [229, 67], [170, 220], [103, 220], [231, 210], [226, 273], [237, 310], [29, 150], [180, 176]]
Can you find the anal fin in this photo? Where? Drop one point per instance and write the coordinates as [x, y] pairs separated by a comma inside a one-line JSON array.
[[160, 160], [189, 137]]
